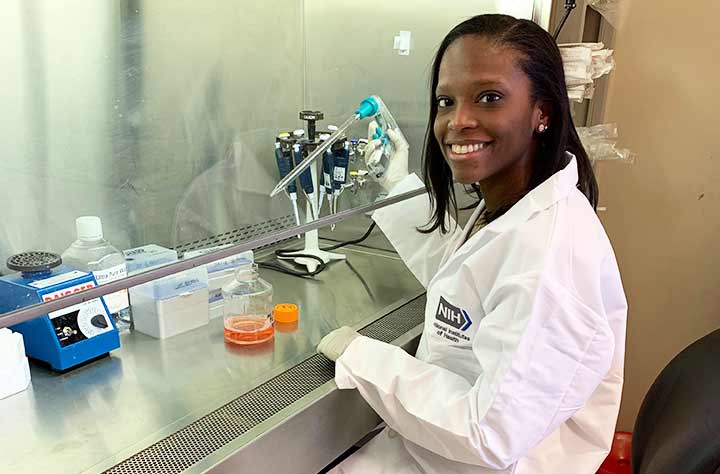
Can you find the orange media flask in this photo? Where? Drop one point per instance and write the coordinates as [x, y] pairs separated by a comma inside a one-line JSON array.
[[247, 308]]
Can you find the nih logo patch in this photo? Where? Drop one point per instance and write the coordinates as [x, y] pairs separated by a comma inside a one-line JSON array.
[[452, 315]]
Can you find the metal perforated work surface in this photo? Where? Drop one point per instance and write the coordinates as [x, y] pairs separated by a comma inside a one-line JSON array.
[[198, 440], [236, 236]]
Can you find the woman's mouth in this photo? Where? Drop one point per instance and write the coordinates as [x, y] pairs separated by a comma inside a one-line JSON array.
[[467, 151]]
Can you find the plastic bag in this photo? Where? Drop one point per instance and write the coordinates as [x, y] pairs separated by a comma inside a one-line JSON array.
[[602, 63], [581, 92], [583, 63], [600, 142]]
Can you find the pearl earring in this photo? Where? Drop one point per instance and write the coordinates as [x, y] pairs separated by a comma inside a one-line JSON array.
[[542, 128]]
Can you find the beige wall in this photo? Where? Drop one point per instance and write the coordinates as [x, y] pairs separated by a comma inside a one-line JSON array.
[[663, 212]]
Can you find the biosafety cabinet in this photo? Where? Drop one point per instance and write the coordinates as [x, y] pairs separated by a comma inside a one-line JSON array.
[[162, 118]]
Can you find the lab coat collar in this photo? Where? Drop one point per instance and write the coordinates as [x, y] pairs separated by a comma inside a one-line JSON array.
[[552, 190]]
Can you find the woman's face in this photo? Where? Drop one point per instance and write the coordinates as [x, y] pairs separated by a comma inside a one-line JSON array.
[[486, 118]]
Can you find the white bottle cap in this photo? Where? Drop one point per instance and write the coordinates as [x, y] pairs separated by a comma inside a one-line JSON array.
[[299, 132], [89, 228]]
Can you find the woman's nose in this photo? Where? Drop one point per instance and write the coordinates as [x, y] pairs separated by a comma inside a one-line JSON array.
[[462, 118]]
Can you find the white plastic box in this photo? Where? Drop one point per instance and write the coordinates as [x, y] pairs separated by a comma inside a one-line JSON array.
[[171, 305], [220, 273], [148, 256], [14, 368]]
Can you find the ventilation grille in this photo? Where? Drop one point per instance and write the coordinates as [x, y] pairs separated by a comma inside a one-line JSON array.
[[236, 236], [201, 438]]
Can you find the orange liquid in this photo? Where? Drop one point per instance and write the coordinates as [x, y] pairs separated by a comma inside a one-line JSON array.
[[241, 330]]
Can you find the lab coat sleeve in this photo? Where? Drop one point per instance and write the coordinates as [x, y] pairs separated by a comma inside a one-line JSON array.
[[542, 351], [422, 253]]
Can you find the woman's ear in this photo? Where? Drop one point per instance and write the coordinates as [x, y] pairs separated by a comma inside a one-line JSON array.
[[541, 116]]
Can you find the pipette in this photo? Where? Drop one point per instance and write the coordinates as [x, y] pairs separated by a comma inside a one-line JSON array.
[[326, 187], [341, 157], [285, 165], [322, 185], [305, 177], [367, 108], [385, 121], [327, 168]]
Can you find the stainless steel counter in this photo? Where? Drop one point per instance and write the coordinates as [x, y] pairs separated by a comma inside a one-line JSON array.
[[97, 415]]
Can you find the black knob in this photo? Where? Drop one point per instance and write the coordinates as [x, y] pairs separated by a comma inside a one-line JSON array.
[[99, 321], [311, 116]]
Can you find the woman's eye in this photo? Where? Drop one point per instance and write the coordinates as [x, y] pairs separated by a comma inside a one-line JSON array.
[[443, 102], [490, 97]]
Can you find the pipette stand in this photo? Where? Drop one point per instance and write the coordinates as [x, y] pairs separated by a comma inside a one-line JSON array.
[[312, 246]]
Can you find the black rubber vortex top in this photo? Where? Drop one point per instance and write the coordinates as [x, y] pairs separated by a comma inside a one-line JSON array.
[[33, 261]]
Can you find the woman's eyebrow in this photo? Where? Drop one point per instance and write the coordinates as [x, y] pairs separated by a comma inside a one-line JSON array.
[[480, 83], [489, 83]]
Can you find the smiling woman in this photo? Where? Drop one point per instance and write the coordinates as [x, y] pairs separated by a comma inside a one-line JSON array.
[[519, 368], [485, 118], [498, 89]]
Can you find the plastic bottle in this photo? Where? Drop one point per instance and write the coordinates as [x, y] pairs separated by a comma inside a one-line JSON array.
[[247, 308], [92, 253]]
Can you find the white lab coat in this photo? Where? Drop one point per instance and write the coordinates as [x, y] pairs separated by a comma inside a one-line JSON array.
[[520, 365]]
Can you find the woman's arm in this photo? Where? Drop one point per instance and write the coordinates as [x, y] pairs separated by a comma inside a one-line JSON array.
[[422, 253], [542, 352]]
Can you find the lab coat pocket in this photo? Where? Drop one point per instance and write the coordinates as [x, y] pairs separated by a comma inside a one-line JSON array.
[[578, 347], [591, 369], [559, 335]]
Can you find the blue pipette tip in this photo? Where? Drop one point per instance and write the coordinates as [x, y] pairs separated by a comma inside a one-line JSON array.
[[369, 106]]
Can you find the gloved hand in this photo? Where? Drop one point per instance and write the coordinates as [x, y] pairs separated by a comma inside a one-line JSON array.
[[397, 167], [334, 344]]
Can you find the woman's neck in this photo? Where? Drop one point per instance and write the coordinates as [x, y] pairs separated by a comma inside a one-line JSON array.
[[507, 186]]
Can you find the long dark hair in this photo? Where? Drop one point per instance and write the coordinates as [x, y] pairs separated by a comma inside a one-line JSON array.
[[540, 60]]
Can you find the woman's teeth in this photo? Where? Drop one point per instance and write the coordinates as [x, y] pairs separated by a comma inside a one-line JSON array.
[[465, 149]]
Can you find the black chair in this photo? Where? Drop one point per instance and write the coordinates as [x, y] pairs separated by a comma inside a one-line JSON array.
[[677, 430]]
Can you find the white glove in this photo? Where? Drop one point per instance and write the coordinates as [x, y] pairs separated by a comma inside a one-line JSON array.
[[334, 344], [397, 167]]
